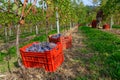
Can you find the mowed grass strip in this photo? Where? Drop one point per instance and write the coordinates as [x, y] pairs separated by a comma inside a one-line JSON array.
[[107, 45]]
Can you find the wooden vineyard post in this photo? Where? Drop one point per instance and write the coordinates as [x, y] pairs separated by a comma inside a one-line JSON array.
[[57, 22], [36, 28], [111, 22], [6, 34]]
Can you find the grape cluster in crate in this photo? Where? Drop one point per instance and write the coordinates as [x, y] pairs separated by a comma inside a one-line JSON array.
[[41, 47], [56, 36]]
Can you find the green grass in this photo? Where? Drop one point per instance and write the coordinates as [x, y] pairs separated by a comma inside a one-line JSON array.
[[101, 41], [116, 26], [2, 55], [11, 52], [81, 78], [5, 57], [24, 35], [107, 45]]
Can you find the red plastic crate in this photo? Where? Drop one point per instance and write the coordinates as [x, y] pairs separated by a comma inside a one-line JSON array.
[[55, 40], [56, 62], [66, 41], [38, 59], [106, 26]]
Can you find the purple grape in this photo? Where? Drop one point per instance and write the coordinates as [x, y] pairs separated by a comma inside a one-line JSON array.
[[52, 45], [56, 36], [41, 47], [27, 49], [34, 45], [46, 49]]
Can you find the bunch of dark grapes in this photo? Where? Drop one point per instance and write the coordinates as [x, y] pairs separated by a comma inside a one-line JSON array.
[[41, 47], [56, 36]]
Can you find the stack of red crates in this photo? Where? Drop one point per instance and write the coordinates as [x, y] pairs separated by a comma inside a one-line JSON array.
[[49, 60], [65, 40]]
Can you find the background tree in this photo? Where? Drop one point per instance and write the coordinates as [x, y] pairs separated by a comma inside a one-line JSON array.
[[111, 10]]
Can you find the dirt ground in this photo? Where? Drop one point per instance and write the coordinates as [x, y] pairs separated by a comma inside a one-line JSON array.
[[114, 31], [72, 67]]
